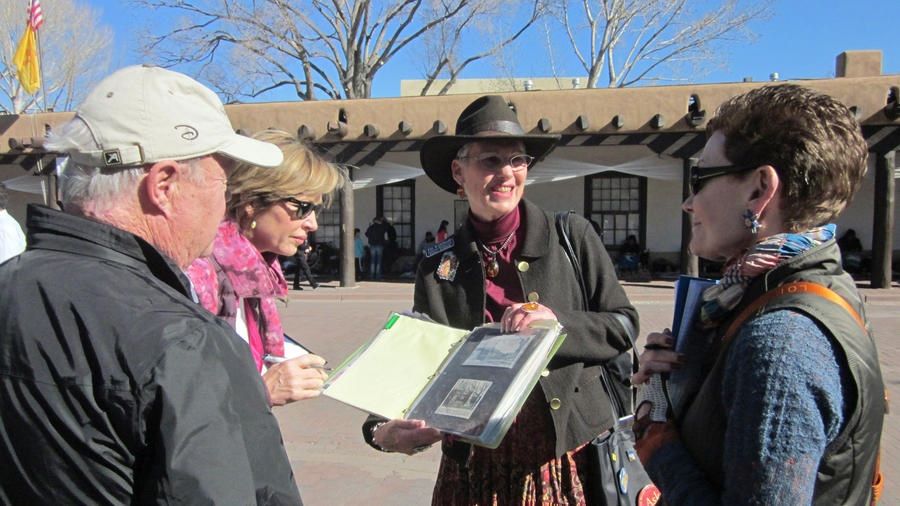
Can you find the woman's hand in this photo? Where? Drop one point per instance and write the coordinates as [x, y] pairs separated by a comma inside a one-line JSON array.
[[519, 316], [658, 357], [405, 436], [295, 379]]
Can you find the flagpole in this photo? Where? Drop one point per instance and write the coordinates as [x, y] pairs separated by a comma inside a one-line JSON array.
[[41, 68]]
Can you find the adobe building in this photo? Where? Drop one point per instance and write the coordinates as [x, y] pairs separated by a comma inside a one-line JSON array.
[[622, 160]]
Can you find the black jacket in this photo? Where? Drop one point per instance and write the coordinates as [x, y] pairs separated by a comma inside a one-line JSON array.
[[116, 388], [575, 397]]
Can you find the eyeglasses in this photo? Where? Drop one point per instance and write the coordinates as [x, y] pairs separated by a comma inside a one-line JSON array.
[[701, 175], [303, 209], [494, 162]]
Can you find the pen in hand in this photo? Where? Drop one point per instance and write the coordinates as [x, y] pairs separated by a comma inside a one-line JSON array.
[[274, 359]]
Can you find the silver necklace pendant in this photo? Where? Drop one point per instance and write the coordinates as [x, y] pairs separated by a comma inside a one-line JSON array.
[[493, 267]]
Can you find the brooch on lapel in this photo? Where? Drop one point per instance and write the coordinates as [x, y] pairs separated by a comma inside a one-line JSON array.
[[446, 270]]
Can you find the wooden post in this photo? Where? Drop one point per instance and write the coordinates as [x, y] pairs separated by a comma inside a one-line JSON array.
[[883, 221], [348, 260], [690, 264]]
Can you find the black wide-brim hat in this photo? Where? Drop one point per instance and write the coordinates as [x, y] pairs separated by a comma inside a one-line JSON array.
[[487, 118]]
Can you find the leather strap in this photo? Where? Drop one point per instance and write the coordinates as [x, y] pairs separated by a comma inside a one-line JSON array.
[[795, 288]]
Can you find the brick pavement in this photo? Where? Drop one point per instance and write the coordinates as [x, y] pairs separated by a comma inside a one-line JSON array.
[[332, 464]]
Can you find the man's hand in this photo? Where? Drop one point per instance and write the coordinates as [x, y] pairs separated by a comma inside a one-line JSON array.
[[295, 379], [405, 436]]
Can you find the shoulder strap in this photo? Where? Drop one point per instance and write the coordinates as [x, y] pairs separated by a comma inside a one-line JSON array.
[[808, 287], [562, 227], [617, 405], [795, 288]]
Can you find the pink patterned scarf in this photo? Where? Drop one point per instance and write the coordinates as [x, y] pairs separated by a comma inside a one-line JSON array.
[[250, 274]]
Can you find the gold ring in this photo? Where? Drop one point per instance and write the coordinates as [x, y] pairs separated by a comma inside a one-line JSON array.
[[530, 306]]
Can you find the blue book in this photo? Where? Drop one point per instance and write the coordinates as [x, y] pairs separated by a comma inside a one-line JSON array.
[[690, 340]]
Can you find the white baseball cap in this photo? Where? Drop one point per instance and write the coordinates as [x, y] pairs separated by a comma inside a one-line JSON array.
[[144, 114]]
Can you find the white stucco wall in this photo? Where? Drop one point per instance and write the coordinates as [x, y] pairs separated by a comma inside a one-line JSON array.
[[663, 216], [859, 214]]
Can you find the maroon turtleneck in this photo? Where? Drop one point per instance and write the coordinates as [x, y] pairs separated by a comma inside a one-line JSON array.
[[505, 288]]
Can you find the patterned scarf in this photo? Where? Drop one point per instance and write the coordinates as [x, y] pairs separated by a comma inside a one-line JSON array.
[[764, 256], [251, 274]]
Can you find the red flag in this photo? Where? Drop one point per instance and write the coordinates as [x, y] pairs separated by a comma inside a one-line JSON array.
[[35, 15]]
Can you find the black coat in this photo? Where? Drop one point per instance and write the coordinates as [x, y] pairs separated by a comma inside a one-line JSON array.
[[117, 388], [575, 397]]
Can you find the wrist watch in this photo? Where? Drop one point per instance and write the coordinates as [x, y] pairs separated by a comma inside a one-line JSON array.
[[376, 426], [372, 430]]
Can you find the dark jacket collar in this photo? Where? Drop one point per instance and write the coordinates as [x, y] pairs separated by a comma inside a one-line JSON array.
[[537, 234], [49, 229]]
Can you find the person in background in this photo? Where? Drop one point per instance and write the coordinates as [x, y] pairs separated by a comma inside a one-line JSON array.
[[359, 251], [302, 257], [391, 247], [270, 212], [791, 405], [377, 236], [851, 251], [629, 254], [442, 233], [506, 265], [12, 239], [115, 386]]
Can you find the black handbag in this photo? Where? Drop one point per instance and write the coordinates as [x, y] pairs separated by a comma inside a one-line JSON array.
[[616, 476]]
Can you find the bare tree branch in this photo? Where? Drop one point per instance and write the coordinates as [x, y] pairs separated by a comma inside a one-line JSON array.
[[640, 40], [334, 48]]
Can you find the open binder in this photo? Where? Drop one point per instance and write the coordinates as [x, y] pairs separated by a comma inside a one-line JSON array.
[[471, 384]]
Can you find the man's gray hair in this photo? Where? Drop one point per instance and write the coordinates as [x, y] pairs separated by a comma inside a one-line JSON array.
[[100, 187]]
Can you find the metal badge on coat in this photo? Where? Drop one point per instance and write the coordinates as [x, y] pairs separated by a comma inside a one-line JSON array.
[[446, 270]]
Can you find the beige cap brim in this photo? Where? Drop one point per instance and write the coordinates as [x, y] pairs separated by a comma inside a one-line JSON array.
[[251, 151]]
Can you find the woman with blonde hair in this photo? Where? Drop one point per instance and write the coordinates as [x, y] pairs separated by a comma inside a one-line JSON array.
[[270, 212]]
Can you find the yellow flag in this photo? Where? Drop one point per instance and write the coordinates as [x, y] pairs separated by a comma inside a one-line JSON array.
[[26, 61]]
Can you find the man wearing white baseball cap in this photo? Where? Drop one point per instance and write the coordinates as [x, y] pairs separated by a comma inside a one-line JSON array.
[[115, 387]]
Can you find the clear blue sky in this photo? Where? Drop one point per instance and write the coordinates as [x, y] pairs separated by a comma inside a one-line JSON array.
[[800, 40]]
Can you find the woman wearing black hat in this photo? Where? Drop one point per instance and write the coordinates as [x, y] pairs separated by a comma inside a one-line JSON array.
[[506, 265]]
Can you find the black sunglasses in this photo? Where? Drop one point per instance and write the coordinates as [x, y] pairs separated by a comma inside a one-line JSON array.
[[303, 208], [700, 175]]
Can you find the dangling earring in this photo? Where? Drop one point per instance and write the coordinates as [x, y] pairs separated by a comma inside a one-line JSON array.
[[461, 193], [253, 225], [751, 221]]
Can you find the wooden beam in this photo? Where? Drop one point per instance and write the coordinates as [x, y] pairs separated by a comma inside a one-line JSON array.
[[348, 222], [883, 220]]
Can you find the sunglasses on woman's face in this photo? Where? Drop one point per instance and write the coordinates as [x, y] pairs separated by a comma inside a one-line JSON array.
[[301, 209], [701, 175]]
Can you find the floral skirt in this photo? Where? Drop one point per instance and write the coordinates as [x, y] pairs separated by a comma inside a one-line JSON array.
[[523, 470]]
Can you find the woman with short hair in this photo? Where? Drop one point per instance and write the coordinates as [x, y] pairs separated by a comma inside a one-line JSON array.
[[791, 404]]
